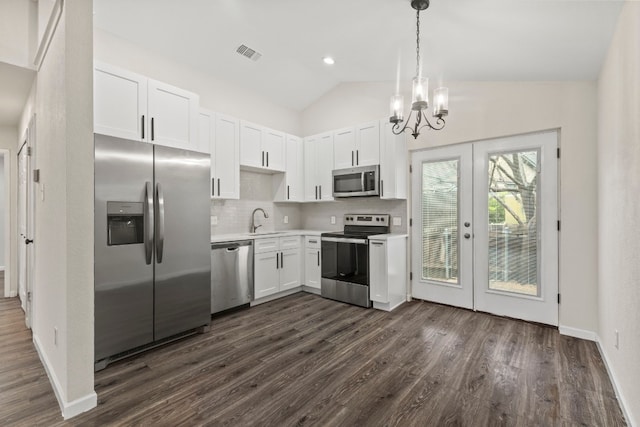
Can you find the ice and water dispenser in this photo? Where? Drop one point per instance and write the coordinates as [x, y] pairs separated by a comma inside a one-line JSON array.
[[125, 223]]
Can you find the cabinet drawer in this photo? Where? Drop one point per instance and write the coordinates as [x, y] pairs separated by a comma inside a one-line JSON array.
[[312, 242], [290, 242], [265, 245]]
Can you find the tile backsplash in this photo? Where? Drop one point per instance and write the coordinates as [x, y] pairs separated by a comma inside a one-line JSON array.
[[234, 216]]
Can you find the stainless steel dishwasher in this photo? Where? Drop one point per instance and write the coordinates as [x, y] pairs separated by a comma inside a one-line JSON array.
[[231, 275]]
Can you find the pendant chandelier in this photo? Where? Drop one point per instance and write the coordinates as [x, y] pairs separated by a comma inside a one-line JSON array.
[[420, 94]]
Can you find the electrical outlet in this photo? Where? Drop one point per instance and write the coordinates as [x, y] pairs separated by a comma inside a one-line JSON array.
[[286, 219], [333, 219], [397, 221], [214, 220], [617, 338], [55, 336]]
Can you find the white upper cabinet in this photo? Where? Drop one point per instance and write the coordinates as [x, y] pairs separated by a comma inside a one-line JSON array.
[[289, 186], [261, 148], [359, 146], [344, 148], [222, 134], [132, 106], [318, 166], [393, 163], [368, 144], [119, 103], [173, 113]]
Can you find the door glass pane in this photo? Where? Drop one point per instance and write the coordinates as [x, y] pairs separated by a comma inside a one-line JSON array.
[[513, 225], [440, 221]]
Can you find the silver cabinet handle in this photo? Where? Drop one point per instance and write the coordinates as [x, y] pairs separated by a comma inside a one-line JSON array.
[[281, 259], [213, 187], [381, 188], [357, 157], [316, 192], [218, 187], [318, 258], [277, 261], [263, 158], [159, 224], [320, 187], [267, 159], [351, 157], [153, 129], [288, 197], [143, 127], [148, 222]]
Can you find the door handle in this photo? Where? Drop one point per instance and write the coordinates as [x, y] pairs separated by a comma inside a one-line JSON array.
[[467, 235], [148, 222], [27, 241], [159, 223]]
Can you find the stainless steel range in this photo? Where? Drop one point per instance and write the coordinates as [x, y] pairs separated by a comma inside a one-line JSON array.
[[345, 258]]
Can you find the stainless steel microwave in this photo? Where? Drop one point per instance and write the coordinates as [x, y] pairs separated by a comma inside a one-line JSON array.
[[356, 182]]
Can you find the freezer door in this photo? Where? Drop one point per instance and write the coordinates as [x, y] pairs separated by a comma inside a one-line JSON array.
[[123, 229], [183, 263]]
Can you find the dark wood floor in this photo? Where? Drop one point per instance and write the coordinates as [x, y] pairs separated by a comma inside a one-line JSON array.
[[304, 360]]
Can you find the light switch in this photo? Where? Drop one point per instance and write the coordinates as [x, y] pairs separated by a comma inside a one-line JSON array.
[[286, 219], [333, 219], [397, 220]]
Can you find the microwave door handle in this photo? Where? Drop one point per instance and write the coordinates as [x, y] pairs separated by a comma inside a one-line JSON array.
[[362, 181], [160, 223], [148, 222]]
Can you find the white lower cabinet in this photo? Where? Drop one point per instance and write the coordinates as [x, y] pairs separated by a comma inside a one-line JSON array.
[[277, 265], [388, 271], [312, 262]]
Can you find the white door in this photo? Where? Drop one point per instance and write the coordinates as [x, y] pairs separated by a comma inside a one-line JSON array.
[[289, 269], [173, 115], [274, 148], [368, 144], [442, 254], [227, 157], [344, 148], [251, 153], [485, 226], [516, 232]]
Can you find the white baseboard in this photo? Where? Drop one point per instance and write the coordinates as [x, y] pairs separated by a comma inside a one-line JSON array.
[[578, 333], [68, 409], [614, 381], [276, 296]]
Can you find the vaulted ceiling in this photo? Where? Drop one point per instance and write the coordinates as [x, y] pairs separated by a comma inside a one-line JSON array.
[[371, 40]]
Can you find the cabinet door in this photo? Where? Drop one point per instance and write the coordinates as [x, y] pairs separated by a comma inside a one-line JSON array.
[[344, 148], [251, 153], [173, 115], [273, 145], [289, 269], [266, 274], [227, 157], [368, 144], [325, 167], [206, 133], [393, 163], [310, 168], [312, 268], [378, 272], [119, 103], [294, 174]]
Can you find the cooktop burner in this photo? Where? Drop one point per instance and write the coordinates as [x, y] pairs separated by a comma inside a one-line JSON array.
[[361, 226]]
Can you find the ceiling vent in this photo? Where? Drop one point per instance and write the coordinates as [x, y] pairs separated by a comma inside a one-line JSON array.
[[248, 52]]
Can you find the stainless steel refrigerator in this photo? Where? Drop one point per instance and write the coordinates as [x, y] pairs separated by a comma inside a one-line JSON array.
[[152, 246]]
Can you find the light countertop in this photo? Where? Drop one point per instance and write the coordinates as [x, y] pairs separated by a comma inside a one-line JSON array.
[[217, 238]]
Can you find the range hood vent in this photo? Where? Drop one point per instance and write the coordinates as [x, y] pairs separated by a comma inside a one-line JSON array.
[[248, 52]]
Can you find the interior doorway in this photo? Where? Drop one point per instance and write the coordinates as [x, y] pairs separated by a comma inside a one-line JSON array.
[[485, 226]]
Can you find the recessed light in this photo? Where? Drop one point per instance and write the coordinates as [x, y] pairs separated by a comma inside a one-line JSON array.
[[328, 60]]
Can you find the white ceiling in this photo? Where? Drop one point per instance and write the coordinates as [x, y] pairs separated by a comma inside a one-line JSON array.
[[371, 40], [15, 84]]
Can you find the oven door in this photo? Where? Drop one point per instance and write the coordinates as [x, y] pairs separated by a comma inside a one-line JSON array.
[[345, 270]]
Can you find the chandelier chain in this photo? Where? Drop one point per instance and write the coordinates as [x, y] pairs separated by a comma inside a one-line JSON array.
[[417, 43]]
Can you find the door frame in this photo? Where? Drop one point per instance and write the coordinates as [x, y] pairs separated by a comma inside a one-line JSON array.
[[8, 213], [411, 201]]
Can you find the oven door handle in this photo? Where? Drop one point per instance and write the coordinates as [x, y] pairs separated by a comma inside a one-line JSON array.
[[343, 240]]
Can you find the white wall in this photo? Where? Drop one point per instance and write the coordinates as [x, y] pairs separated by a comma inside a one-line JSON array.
[[481, 110], [9, 141], [619, 207], [63, 293], [18, 32], [215, 94]]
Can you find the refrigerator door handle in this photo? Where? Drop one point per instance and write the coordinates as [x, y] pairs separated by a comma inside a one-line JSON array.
[[159, 223], [148, 224]]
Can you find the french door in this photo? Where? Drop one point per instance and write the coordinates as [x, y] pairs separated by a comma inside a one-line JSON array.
[[485, 226]]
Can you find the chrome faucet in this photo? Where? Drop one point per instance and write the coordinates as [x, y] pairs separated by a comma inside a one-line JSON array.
[[254, 227]]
